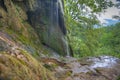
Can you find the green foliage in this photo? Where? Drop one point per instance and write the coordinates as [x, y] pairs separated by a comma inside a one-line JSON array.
[[83, 10], [110, 40], [96, 42], [84, 38], [80, 21]]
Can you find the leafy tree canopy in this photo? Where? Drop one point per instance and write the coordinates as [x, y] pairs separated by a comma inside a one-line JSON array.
[[80, 17]]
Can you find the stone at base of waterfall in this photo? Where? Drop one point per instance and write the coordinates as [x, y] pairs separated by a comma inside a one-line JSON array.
[[99, 68], [91, 68]]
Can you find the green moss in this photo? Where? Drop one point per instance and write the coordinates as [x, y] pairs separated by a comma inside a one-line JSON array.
[[12, 68], [27, 41]]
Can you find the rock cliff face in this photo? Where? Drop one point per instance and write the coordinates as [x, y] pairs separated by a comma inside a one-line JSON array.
[[47, 18], [41, 22]]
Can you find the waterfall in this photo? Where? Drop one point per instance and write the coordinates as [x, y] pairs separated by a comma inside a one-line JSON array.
[[67, 47], [60, 4]]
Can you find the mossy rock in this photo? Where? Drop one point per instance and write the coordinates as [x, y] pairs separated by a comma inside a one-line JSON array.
[[12, 68]]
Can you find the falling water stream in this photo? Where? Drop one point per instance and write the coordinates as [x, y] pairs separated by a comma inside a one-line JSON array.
[[55, 9]]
